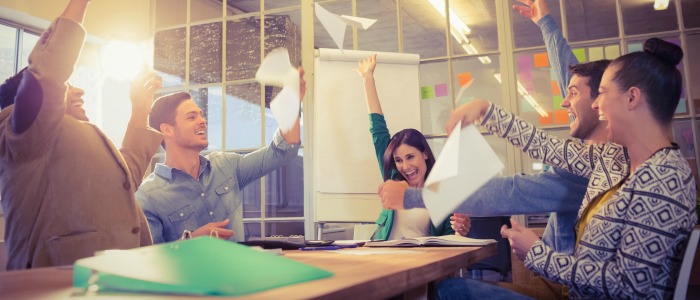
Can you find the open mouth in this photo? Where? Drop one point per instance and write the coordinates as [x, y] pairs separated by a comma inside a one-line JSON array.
[[601, 117], [77, 103], [572, 117], [411, 174], [201, 132]]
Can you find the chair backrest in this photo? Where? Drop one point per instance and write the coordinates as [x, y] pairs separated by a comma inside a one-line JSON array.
[[686, 266], [363, 231]]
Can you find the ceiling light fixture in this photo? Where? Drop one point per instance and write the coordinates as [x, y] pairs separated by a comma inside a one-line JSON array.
[[660, 4], [459, 30], [531, 100]]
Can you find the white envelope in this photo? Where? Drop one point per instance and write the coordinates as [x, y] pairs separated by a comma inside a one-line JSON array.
[[276, 70], [465, 164], [335, 24]]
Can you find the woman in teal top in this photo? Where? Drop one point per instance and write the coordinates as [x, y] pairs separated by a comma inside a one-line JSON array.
[[405, 157]]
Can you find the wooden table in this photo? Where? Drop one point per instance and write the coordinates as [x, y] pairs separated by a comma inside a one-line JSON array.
[[356, 277]]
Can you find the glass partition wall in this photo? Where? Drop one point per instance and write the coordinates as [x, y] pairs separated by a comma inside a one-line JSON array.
[[212, 48]]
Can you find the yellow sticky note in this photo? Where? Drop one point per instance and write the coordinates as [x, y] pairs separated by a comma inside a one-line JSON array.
[[612, 52], [596, 53]]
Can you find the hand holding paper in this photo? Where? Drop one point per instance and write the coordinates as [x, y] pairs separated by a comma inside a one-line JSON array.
[[335, 24], [465, 164], [276, 70]]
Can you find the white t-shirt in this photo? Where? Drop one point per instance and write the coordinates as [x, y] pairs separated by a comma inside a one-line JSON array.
[[410, 223]]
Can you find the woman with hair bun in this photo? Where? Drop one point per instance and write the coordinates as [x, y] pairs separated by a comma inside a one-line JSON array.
[[639, 207]]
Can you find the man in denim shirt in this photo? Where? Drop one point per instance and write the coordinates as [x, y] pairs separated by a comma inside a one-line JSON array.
[[197, 193], [555, 191]]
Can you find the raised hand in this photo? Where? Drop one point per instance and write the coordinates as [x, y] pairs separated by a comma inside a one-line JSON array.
[[366, 66], [391, 192], [461, 224], [467, 113], [533, 10], [143, 87], [521, 239], [218, 227]]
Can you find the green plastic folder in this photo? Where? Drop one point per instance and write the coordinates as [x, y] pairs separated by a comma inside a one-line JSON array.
[[200, 266]]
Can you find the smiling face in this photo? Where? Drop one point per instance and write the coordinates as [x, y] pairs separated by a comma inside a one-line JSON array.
[[190, 130], [75, 102], [583, 118], [611, 105], [410, 162]]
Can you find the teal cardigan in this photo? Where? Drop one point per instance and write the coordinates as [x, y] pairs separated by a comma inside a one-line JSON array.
[[381, 138]]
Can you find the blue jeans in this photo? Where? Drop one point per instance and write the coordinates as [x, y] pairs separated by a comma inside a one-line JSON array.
[[463, 288]]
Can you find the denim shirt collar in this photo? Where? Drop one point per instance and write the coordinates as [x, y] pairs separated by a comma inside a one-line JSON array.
[[167, 172]]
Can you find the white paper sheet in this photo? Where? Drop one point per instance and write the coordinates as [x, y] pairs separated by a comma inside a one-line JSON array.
[[476, 163], [276, 70], [358, 22], [363, 252], [335, 25]]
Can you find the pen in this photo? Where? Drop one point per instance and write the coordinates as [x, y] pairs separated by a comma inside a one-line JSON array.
[[321, 248]]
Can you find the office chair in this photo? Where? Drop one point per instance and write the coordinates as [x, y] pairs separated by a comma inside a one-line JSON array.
[[687, 264]]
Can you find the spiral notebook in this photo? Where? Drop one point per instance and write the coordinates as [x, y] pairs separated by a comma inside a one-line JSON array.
[[200, 266]]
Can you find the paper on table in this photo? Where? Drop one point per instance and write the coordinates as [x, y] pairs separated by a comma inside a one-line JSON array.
[[465, 164], [276, 70], [363, 252], [335, 24]]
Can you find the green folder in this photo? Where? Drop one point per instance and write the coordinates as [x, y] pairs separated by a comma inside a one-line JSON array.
[[200, 266]]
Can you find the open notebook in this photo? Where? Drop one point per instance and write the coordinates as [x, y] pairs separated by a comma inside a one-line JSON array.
[[444, 240]]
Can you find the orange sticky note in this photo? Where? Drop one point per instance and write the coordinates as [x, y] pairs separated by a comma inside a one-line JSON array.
[[561, 117], [555, 88], [547, 120], [464, 78], [541, 60]]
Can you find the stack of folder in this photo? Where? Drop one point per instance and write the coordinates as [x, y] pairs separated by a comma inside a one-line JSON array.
[[200, 266]]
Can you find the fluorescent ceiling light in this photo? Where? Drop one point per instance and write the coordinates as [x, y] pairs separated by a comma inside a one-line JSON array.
[[660, 4], [531, 100], [459, 30]]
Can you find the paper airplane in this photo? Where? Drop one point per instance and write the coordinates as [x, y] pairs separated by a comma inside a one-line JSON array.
[[276, 70], [336, 24], [465, 164]]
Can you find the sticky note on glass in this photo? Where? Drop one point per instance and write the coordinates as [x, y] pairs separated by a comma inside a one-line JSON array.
[[427, 92], [541, 60], [580, 54], [464, 78], [335, 25], [466, 163], [276, 70], [441, 90]]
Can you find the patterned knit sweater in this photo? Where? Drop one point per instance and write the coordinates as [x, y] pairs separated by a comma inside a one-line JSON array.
[[633, 245]]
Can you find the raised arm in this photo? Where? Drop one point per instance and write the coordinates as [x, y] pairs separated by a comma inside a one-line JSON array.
[[141, 142], [377, 123], [366, 69], [558, 50], [40, 99], [247, 168]]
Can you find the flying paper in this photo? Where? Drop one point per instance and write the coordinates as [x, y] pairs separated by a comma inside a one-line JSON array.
[[336, 24], [276, 70], [465, 164]]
